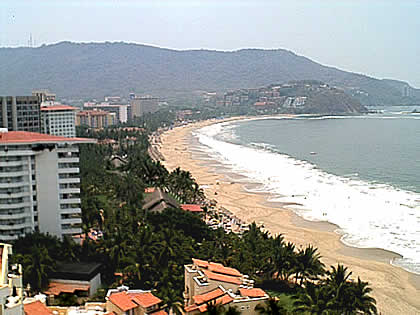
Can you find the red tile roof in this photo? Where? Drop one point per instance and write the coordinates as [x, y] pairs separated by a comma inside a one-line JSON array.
[[149, 189], [200, 263], [123, 301], [146, 299], [127, 301], [55, 288], [219, 268], [160, 312], [226, 299], [33, 137], [36, 308], [222, 278], [260, 103], [254, 293], [204, 298], [191, 208], [57, 107]]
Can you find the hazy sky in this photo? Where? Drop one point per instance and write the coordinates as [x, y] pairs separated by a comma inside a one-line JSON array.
[[378, 38]]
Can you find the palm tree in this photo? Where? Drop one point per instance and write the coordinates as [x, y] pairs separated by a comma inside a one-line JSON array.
[[309, 265], [362, 301], [271, 307], [39, 268], [313, 300]]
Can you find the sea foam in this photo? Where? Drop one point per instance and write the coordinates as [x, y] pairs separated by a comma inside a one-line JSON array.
[[370, 215]]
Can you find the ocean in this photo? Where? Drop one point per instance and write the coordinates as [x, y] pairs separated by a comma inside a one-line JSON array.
[[361, 173]]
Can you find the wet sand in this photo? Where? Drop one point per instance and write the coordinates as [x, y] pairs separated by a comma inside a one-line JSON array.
[[396, 290]]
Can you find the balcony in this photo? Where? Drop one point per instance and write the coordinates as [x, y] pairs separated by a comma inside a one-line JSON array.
[[71, 231], [15, 184], [13, 163], [70, 200], [14, 195], [69, 170], [14, 174], [71, 210], [13, 227], [16, 205], [68, 180], [71, 221], [70, 191], [14, 216], [68, 160]]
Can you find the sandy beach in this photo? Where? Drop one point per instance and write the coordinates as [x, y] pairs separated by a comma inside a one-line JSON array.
[[396, 290]]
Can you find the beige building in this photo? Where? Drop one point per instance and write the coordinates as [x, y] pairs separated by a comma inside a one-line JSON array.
[[122, 301], [95, 118], [58, 120], [11, 285], [143, 105], [209, 282]]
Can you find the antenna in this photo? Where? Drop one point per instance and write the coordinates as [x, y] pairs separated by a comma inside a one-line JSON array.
[[30, 41]]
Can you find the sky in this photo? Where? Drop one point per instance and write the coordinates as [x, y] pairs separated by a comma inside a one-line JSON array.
[[376, 38]]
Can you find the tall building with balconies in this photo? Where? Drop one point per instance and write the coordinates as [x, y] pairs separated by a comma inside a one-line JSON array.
[[39, 184], [143, 105]]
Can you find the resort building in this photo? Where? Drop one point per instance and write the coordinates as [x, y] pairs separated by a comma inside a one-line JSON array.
[[20, 113], [141, 105], [58, 120], [39, 184], [95, 119], [209, 282], [120, 110], [122, 301], [44, 96], [11, 285]]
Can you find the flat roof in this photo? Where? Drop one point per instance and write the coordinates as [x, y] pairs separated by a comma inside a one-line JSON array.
[[19, 137], [57, 107]]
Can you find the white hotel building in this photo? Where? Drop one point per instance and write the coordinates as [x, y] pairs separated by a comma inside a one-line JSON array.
[[39, 184], [58, 120]]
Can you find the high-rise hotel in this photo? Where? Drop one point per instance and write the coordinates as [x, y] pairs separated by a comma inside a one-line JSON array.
[[39, 184]]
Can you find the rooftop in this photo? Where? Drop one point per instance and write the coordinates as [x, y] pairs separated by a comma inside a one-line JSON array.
[[19, 137], [253, 293], [57, 107], [56, 288], [222, 278], [36, 308], [92, 113], [126, 301], [191, 208]]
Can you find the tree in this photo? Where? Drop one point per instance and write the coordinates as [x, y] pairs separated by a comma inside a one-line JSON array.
[[308, 264], [39, 267], [271, 307], [313, 300]]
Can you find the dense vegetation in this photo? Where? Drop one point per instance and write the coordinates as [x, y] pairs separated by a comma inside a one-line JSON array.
[[119, 68], [149, 250]]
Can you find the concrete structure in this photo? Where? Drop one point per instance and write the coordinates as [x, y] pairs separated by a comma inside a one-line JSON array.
[[44, 96], [143, 105], [39, 184], [122, 301], [83, 279], [120, 110], [58, 120], [11, 285], [208, 282], [21, 113], [95, 119]]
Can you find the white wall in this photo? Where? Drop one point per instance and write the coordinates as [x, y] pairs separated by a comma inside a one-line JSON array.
[[46, 167]]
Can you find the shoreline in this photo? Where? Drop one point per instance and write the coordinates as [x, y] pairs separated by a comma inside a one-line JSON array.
[[396, 290]]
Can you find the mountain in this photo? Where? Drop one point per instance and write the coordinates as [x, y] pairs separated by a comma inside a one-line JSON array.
[[86, 70]]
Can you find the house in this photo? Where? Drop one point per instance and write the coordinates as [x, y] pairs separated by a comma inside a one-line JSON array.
[[209, 282], [122, 301], [156, 200], [81, 279]]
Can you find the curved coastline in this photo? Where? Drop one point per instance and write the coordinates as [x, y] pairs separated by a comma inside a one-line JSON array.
[[396, 290]]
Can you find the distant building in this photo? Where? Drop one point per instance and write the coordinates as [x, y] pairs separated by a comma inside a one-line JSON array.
[[58, 120], [44, 96], [121, 110], [96, 118], [156, 200], [143, 105], [20, 113], [39, 184], [209, 282], [122, 301], [113, 99], [11, 285]]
